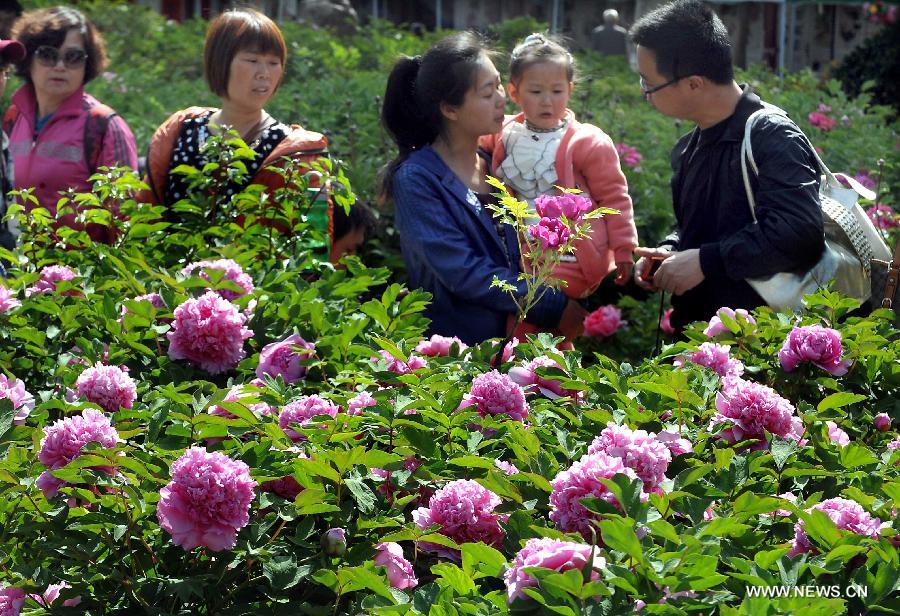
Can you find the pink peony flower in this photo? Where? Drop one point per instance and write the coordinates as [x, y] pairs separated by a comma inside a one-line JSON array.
[[11, 600], [464, 510], [882, 421], [569, 205], [64, 440], [716, 326], [285, 358], [677, 445], [753, 410], [836, 435], [238, 394], [629, 156], [582, 480], [399, 570], [640, 451], [716, 357], [785, 513], [862, 176], [233, 273], [8, 299], [818, 345], [109, 387], [209, 332], [497, 394], [509, 351], [894, 444], [50, 275], [846, 515], [665, 323], [883, 217], [528, 377], [398, 366], [604, 322], [22, 401], [52, 594], [506, 467], [357, 403], [207, 501], [302, 411], [821, 121], [439, 346], [550, 232], [550, 554]]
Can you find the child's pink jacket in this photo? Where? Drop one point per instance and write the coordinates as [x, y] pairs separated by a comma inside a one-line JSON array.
[[587, 160]]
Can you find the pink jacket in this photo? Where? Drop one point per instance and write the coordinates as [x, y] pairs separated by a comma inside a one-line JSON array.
[[587, 160], [54, 160]]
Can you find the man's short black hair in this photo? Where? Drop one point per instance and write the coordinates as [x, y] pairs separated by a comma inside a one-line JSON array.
[[688, 38], [360, 217]]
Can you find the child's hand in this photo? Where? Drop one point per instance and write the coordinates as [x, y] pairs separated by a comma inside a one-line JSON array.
[[623, 271]]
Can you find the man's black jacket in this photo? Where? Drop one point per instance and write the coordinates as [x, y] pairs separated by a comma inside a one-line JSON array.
[[713, 214]]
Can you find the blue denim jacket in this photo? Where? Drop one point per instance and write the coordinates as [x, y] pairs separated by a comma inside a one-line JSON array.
[[452, 249]]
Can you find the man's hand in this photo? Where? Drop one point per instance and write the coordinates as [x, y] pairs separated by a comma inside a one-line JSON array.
[[571, 324], [647, 258], [680, 272], [623, 271]]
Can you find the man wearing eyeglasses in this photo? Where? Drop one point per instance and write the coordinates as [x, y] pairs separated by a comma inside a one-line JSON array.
[[684, 59]]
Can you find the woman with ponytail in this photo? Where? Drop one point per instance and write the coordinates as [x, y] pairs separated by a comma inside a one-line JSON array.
[[435, 108]]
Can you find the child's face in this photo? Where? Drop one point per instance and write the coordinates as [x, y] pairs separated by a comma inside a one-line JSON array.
[[543, 93]]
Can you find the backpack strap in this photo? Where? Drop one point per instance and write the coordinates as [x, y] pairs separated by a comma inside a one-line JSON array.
[[9, 119], [95, 128]]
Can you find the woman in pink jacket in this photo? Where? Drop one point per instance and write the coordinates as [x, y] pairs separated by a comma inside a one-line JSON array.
[[59, 135], [544, 146]]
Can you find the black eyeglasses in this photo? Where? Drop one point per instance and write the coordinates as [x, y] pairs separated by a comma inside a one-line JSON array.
[[648, 91], [49, 56]]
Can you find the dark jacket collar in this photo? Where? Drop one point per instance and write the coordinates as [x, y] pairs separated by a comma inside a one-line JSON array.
[[747, 104]]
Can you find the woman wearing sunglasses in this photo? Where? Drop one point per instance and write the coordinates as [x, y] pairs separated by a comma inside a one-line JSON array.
[[59, 135]]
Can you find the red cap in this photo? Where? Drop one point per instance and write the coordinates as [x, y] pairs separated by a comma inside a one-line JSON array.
[[11, 51]]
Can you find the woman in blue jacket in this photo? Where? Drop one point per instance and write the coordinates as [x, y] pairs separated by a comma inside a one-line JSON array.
[[436, 106]]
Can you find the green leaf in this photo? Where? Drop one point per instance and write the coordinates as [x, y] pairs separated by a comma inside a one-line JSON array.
[[6, 415], [352, 579], [619, 535], [855, 455], [283, 573], [839, 400], [483, 559], [454, 577], [782, 449], [362, 494]]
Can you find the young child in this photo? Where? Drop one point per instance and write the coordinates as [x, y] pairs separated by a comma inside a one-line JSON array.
[[545, 145]]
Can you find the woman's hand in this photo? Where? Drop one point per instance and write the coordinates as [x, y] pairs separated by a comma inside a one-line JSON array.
[[571, 324], [650, 259]]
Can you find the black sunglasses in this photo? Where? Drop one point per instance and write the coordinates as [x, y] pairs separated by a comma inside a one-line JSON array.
[[49, 56]]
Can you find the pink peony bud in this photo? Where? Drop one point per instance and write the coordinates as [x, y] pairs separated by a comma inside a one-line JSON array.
[[882, 422], [334, 542], [399, 571]]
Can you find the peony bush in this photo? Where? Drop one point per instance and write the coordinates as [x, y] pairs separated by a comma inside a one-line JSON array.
[[302, 446]]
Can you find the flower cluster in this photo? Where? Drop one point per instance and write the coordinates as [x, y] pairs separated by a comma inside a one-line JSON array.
[[439, 346], [11, 600], [506, 467], [232, 273], [753, 410], [552, 554], [22, 401], [398, 366], [8, 299], [301, 411], [399, 570], [360, 401], [716, 326], [716, 357], [639, 450], [285, 358], [497, 394], [207, 501], [582, 480], [552, 231], [821, 346], [64, 440], [209, 331], [527, 376], [846, 515], [820, 120], [51, 275], [629, 156], [464, 510], [883, 216], [604, 322], [109, 387]]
